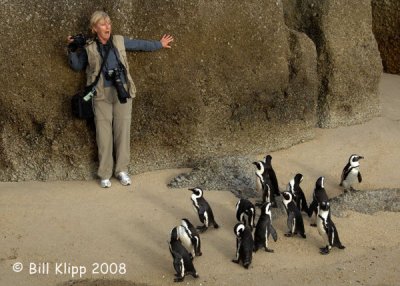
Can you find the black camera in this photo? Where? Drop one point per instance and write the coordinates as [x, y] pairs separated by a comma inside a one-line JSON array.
[[79, 42], [115, 76]]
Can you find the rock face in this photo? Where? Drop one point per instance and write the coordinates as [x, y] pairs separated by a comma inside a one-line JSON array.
[[243, 77], [349, 65], [386, 25]]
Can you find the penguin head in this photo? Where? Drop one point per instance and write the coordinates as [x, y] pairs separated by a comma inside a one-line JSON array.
[[185, 223], [238, 229], [268, 160], [290, 186], [298, 178], [197, 192], [354, 160], [287, 196], [174, 234], [320, 183], [266, 208], [260, 166]]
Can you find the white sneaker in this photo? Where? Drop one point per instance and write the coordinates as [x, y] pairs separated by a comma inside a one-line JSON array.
[[124, 178], [105, 183]]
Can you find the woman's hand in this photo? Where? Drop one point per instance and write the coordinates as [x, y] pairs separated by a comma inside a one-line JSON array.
[[166, 40]]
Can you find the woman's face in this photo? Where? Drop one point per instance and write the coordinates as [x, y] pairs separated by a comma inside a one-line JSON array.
[[103, 30]]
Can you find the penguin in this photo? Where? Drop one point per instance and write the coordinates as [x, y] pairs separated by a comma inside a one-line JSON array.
[[189, 237], [351, 173], [244, 245], [245, 208], [182, 259], [319, 196], [327, 229], [271, 174], [264, 228], [295, 220], [297, 192], [203, 209], [265, 182]]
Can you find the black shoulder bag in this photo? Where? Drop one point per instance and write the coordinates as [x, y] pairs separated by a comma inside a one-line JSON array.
[[81, 102]]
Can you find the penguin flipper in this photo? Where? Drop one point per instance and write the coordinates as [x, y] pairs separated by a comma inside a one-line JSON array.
[[273, 233], [290, 219], [274, 182], [299, 223], [312, 208], [304, 206], [359, 177], [345, 172]]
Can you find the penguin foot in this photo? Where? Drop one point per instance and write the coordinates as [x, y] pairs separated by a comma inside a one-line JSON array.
[[179, 279], [199, 254], [269, 250], [202, 228], [303, 235], [289, 234], [235, 261], [216, 225], [194, 274], [341, 246], [246, 265], [313, 224], [324, 250]]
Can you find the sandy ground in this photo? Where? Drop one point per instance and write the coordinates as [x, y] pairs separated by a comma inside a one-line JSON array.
[[125, 230]]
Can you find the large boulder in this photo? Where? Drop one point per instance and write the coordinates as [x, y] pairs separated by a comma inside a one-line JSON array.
[[386, 25], [349, 65], [239, 80]]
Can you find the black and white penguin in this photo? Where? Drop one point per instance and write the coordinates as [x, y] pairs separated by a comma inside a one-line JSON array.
[[203, 209], [295, 220], [264, 228], [246, 210], [271, 174], [264, 181], [295, 189], [182, 259], [327, 229], [189, 237], [319, 196], [351, 173], [244, 245]]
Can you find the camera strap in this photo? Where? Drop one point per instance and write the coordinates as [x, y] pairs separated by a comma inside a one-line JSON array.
[[103, 62]]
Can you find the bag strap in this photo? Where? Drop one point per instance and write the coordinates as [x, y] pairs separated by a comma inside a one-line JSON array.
[[103, 63]]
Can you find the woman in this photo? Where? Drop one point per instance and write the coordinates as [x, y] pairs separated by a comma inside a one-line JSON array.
[[112, 108]]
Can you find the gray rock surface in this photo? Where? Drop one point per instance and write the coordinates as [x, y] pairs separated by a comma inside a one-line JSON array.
[[349, 65], [239, 80], [368, 202]]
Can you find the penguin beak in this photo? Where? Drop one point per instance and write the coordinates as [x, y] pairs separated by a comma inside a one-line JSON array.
[[254, 163], [360, 157]]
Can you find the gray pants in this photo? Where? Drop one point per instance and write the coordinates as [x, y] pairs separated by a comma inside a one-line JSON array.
[[113, 126]]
